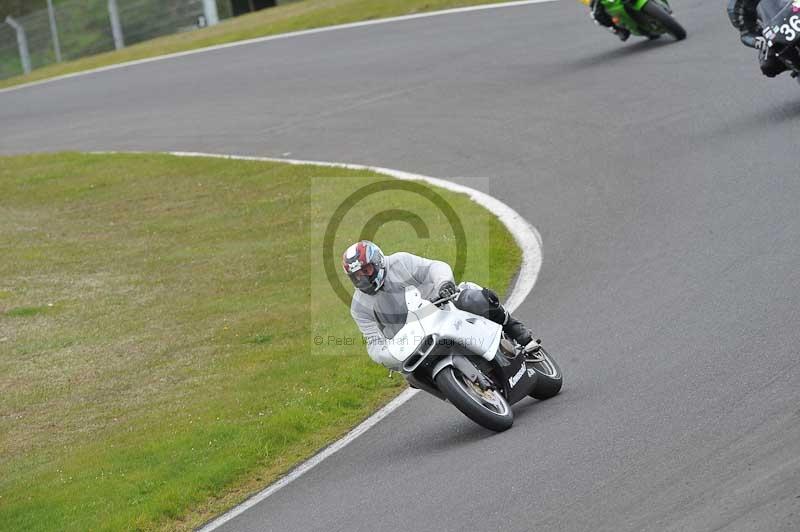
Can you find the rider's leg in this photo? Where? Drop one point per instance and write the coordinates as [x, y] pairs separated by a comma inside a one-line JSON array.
[[517, 330], [484, 302], [601, 17]]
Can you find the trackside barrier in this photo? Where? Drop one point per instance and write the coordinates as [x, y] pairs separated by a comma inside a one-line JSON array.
[[72, 29]]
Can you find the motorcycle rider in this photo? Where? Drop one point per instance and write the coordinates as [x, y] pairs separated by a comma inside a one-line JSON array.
[[744, 17], [378, 306], [599, 15]]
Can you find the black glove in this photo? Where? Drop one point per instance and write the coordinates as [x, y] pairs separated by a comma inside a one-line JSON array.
[[447, 289]]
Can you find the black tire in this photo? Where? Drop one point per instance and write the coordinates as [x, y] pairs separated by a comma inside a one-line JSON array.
[[548, 376], [454, 386], [656, 11]]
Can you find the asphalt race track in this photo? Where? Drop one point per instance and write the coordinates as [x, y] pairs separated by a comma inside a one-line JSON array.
[[663, 178]]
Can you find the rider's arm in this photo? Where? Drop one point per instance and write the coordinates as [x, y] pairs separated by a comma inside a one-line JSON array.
[[373, 335], [426, 271]]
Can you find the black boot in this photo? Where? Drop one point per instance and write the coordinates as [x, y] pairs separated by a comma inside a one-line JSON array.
[[772, 66], [622, 33], [517, 331]]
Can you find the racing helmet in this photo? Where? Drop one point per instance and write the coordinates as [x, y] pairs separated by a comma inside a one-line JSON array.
[[365, 266]]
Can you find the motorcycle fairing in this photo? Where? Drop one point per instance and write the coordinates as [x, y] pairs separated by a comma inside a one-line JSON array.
[[780, 21], [628, 12], [518, 379], [469, 332]]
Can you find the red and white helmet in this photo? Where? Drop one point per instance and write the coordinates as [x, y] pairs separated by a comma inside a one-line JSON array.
[[365, 265]]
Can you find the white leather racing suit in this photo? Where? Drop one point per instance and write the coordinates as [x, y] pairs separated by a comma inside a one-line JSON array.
[[380, 316]]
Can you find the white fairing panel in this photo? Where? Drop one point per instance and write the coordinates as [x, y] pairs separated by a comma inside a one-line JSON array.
[[407, 339], [451, 326]]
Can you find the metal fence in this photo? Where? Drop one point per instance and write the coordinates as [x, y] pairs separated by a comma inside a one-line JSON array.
[[77, 28]]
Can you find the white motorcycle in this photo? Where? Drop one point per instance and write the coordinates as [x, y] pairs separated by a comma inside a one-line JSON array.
[[466, 359]]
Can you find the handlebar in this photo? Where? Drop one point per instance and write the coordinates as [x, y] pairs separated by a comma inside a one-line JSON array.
[[445, 299]]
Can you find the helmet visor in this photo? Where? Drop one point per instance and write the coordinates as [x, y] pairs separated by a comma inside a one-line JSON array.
[[363, 277]]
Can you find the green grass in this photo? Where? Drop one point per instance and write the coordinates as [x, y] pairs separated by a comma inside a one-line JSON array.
[[282, 19], [25, 311], [175, 372]]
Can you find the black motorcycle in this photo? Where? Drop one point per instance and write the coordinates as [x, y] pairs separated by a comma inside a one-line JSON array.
[[779, 22]]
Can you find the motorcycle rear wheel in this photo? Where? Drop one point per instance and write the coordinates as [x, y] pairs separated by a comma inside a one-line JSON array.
[[487, 408], [656, 11]]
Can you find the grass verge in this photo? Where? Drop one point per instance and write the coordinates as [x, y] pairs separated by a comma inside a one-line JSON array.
[[297, 16], [156, 325]]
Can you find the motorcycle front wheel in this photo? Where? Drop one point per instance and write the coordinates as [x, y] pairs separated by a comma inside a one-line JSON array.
[[655, 10], [487, 408]]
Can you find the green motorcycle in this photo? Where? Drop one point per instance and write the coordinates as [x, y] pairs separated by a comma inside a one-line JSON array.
[[647, 18]]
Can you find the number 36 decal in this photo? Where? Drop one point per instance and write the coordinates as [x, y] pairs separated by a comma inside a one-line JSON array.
[[791, 30]]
